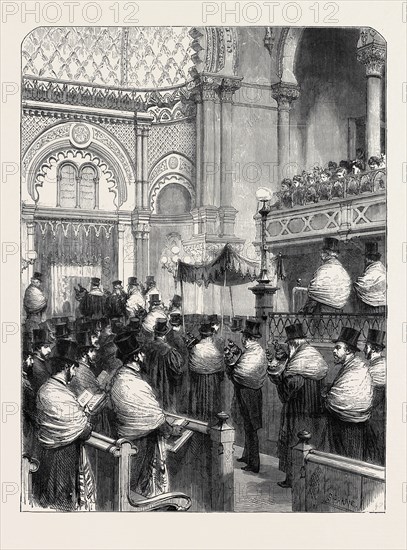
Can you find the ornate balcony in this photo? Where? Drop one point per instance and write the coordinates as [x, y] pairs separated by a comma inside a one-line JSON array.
[[361, 209]]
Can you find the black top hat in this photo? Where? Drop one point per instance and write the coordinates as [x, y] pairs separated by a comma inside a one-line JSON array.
[[349, 336], [252, 329], [118, 327], [205, 330], [37, 275], [132, 281], [126, 346], [294, 331], [95, 281], [376, 337], [331, 244], [83, 339], [176, 300], [61, 330], [372, 250], [237, 324], [115, 283], [150, 279], [161, 326], [41, 337], [213, 319], [175, 318], [134, 323], [154, 299], [67, 350]]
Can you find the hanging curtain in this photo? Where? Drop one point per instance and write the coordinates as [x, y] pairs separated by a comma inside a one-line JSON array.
[[70, 253]]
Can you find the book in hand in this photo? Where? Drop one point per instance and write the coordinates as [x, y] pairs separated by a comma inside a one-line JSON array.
[[103, 376], [93, 402]]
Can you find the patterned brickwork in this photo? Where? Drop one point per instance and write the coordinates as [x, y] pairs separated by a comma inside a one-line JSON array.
[[172, 137]]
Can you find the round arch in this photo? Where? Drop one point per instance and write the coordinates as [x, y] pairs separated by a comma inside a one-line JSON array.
[[289, 41]]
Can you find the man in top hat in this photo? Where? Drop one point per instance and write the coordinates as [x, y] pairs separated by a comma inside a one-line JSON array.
[[63, 426], [156, 311], [164, 366], [350, 398], [330, 286], [376, 445], [206, 373], [248, 374], [135, 303], [370, 287], [177, 338], [35, 302], [151, 288], [93, 303], [175, 304], [116, 302], [85, 378], [139, 417], [41, 368], [299, 387]]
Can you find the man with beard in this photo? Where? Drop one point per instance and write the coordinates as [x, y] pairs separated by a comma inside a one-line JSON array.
[[116, 302], [85, 378], [248, 373], [330, 286], [376, 441], [139, 417], [370, 287], [64, 480], [164, 366], [299, 387], [41, 368], [350, 398], [206, 373], [35, 303]]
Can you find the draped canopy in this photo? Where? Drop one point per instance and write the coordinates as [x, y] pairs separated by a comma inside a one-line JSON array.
[[229, 268]]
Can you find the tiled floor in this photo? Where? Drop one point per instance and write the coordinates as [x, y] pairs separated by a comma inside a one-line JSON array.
[[260, 492]]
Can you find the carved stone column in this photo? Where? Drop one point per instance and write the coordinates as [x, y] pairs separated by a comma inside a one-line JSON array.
[[284, 93], [142, 128], [140, 222], [372, 53], [120, 252], [227, 214]]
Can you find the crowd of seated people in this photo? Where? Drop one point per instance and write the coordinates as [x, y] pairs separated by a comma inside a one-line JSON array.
[[331, 182]]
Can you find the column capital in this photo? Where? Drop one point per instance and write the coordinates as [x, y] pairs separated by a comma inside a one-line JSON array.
[[373, 56], [285, 93], [229, 86], [207, 87]]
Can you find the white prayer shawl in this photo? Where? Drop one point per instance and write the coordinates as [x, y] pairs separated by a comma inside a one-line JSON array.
[[34, 299], [156, 313], [330, 284], [135, 404], [371, 286], [307, 362], [60, 417], [135, 301], [206, 358], [350, 397], [377, 369], [250, 370]]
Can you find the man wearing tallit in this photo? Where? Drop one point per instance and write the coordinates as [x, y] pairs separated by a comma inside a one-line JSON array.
[[298, 376], [35, 303], [330, 286], [206, 373], [370, 287], [349, 400], [64, 480], [139, 417]]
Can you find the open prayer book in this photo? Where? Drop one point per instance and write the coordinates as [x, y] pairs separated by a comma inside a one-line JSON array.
[[175, 443], [93, 402]]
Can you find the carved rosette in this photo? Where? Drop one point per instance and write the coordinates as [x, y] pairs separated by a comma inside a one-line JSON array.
[[373, 56], [285, 94]]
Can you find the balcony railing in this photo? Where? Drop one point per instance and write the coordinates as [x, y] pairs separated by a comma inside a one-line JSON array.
[[323, 328], [352, 185]]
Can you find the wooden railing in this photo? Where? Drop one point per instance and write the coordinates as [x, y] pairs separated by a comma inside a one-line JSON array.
[[323, 482], [322, 328]]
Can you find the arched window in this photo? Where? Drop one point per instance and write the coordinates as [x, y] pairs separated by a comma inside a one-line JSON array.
[[88, 187], [67, 180], [173, 199]]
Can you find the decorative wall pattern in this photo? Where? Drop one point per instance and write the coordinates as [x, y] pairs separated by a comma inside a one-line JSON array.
[[31, 127], [165, 139], [140, 57]]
